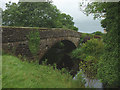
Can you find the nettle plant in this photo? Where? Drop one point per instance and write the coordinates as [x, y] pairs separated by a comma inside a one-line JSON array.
[[34, 42]]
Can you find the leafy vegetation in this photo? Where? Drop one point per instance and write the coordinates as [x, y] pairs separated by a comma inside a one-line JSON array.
[[87, 36], [89, 54], [108, 70], [34, 42], [95, 57], [42, 14], [19, 74], [98, 33]]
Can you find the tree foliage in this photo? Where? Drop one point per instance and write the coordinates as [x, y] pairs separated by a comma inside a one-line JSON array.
[[109, 63], [42, 14], [90, 53], [98, 33], [92, 47]]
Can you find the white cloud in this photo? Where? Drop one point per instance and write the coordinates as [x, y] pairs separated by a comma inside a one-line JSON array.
[[83, 22]]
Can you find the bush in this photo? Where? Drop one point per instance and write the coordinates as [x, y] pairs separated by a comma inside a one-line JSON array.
[[90, 53], [98, 33], [109, 64], [34, 42], [86, 36], [92, 47]]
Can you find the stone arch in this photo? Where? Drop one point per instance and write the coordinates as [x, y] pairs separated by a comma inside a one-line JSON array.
[[59, 55], [69, 44], [47, 43]]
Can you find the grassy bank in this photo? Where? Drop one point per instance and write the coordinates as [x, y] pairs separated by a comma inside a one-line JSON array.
[[19, 74]]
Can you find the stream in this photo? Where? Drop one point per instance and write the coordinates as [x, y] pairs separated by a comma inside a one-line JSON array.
[[90, 83]]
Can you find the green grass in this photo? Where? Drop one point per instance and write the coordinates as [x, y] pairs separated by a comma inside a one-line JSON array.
[[21, 74]]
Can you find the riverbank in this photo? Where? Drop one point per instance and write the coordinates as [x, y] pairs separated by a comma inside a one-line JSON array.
[[21, 74]]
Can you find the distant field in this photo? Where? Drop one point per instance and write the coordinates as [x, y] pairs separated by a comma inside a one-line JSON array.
[[19, 74]]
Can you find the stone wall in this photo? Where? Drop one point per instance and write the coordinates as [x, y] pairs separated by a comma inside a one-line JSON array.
[[16, 34], [14, 39]]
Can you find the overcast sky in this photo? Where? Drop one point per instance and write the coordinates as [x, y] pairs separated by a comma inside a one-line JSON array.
[[85, 23]]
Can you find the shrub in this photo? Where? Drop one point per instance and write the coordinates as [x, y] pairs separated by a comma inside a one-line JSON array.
[[92, 47], [89, 52], [86, 36], [34, 42], [109, 64], [98, 33], [97, 37], [85, 39]]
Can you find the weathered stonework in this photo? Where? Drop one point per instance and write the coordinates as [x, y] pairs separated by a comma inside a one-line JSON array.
[[15, 39]]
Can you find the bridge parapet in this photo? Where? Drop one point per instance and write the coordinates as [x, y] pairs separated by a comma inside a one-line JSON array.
[[15, 34]]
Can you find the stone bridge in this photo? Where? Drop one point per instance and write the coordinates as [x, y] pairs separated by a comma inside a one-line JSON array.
[[14, 39]]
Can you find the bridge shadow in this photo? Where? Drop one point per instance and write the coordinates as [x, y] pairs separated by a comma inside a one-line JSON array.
[[59, 53]]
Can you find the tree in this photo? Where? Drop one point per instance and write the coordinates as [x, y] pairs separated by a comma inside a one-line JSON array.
[[66, 21], [98, 33], [90, 53], [108, 70], [0, 16], [35, 14]]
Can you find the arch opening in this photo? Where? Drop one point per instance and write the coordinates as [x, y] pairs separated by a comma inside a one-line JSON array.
[[59, 53]]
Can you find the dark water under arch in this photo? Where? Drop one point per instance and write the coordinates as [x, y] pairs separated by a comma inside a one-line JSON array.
[[60, 54]]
